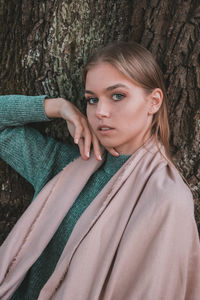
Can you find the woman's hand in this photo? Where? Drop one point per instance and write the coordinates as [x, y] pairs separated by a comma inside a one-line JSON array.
[[79, 130], [77, 125]]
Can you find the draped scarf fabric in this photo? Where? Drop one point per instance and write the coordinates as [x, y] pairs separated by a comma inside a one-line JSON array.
[[137, 240]]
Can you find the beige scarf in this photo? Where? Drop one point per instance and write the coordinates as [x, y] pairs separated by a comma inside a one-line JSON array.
[[137, 240]]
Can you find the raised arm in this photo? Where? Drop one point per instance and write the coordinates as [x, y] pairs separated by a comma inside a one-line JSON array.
[[34, 156]]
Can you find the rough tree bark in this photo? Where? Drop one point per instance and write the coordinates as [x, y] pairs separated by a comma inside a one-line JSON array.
[[171, 31], [44, 44]]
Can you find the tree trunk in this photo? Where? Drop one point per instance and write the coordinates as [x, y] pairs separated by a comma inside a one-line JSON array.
[[171, 31], [44, 45]]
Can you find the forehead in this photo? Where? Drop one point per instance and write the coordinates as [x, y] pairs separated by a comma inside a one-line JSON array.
[[105, 74], [104, 77]]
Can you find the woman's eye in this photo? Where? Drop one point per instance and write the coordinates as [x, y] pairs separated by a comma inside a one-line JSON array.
[[92, 100], [117, 96]]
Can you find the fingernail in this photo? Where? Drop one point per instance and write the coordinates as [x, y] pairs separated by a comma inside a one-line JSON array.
[[99, 157], [76, 140], [88, 154]]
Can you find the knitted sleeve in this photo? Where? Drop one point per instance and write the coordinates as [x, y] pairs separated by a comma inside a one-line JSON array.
[[36, 157], [18, 110]]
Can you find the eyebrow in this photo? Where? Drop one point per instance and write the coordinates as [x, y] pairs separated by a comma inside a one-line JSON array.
[[110, 88]]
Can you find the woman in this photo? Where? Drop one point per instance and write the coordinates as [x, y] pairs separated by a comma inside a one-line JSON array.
[[113, 225]]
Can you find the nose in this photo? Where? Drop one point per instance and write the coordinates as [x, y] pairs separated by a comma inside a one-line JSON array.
[[102, 110]]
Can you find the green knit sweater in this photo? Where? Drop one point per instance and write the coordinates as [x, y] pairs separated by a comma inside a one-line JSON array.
[[38, 159]]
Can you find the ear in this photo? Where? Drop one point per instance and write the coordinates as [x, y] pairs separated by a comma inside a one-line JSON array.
[[155, 98]]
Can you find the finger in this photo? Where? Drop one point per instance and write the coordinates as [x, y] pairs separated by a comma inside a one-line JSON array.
[[96, 147], [81, 149], [78, 132], [87, 138], [112, 151], [87, 142]]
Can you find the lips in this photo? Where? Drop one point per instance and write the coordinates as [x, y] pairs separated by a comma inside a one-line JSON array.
[[104, 128]]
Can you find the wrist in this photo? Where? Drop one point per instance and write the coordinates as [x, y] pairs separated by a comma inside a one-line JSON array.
[[53, 107]]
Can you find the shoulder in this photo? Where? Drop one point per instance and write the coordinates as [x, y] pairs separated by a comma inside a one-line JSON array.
[[169, 191]]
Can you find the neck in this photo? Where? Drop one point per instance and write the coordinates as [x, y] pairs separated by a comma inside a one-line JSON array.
[[131, 148]]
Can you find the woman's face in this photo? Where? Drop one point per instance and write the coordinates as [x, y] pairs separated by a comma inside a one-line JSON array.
[[118, 111]]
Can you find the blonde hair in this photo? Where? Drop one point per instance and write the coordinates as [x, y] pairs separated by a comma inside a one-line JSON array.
[[138, 64]]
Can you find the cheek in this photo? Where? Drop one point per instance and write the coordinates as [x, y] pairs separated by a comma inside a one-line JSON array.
[[136, 116], [141, 110]]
